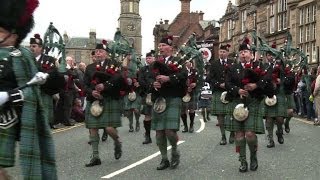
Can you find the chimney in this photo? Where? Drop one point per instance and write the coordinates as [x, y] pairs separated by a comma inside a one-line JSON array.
[[92, 37], [201, 16], [65, 37], [166, 21], [185, 6]]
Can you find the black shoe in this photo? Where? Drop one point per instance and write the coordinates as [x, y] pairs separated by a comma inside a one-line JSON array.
[[270, 143], [253, 162], [93, 162], [175, 160], [117, 150], [280, 138], [131, 129], [69, 124], [223, 141], [137, 128], [243, 167], [185, 129], [208, 118], [104, 136], [164, 164], [147, 140], [191, 129], [286, 128]]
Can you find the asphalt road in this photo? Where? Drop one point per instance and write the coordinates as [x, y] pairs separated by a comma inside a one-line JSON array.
[[201, 155]]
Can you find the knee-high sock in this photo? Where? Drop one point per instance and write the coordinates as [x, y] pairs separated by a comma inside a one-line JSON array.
[[287, 120], [184, 120], [147, 127], [137, 116], [253, 144], [221, 123], [162, 144], [192, 115], [95, 145], [241, 148], [130, 117], [269, 127], [173, 139]]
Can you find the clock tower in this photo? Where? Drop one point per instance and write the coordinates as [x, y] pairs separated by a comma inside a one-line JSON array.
[[130, 23]]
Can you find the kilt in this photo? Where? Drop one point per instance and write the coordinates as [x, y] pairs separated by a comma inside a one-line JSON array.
[[204, 103], [254, 122], [110, 117], [279, 109], [8, 138], [136, 104], [146, 109], [290, 101], [218, 108], [170, 118], [192, 104]]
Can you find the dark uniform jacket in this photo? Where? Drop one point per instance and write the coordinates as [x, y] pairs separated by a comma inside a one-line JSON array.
[[217, 74], [145, 79]]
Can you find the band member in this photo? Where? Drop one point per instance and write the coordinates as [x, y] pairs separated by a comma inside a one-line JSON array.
[[275, 114], [132, 103], [189, 105], [145, 79], [289, 86], [246, 90], [168, 89], [103, 82], [216, 78], [22, 111]]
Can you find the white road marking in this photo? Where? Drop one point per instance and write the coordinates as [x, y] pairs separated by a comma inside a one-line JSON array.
[[136, 163], [202, 126]]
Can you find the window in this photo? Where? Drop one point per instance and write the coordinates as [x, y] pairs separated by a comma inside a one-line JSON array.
[[282, 14], [131, 7], [301, 34], [308, 14], [307, 49], [271, 9], [314, 31], [230, 28], [314, 13], [313, 53], [272, 29], [243, 20], [301, 17], [307, 33]]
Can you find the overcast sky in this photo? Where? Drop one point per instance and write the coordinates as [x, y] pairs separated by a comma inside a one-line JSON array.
[[77, 17]]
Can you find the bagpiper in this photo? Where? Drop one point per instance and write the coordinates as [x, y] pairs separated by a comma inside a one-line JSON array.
[[146, 79], [168, 89], [103, 83], [246, 88], [22, 111], [216, 77]]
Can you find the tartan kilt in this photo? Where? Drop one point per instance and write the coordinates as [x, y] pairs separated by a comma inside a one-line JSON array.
[[136, 104], [8, 138], [146, 109], [290, 101], [218, 108], [254, 121], [170, 118], [279, 109], [204, 103], [48, 104], [110, 117], [192, 104]]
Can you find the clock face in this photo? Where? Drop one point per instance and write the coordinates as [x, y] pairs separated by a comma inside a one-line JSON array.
[[131, 27]]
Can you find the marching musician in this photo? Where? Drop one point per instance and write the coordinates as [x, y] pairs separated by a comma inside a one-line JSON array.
[[189, 103], [216, 78], [22, 111], [246, 88], [146, 79], [168, 89], [275, 114], [103, 82]]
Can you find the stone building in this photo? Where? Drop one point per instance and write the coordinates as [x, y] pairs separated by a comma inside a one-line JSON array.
[[272, 19], [186, 23]]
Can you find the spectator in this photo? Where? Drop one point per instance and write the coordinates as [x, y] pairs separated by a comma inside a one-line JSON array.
[[77, 112]]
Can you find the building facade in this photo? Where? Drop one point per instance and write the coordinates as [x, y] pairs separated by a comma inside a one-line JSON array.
[[186, 23], [272, 19]]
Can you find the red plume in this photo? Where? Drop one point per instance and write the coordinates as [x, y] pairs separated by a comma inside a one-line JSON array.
[[274, 45], [104, 42], [170, 37], [37, 36], [31, 5], [246, 40], [228, 45]]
